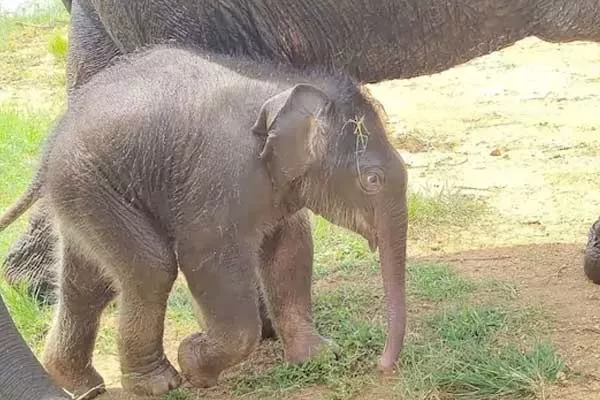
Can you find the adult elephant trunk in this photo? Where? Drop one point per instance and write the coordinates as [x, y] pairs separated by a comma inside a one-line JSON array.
[[391, 236], [21, 375]]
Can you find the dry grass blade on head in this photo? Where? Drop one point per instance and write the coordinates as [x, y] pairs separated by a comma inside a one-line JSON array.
[[362, 138]]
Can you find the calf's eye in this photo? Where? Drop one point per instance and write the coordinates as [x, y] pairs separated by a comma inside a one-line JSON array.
[[371, 181]]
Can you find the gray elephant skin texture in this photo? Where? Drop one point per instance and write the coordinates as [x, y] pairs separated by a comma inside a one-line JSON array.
[[21, 376], [172, 160]]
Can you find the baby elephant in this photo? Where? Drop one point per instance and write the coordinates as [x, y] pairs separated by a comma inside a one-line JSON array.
[[174, 160]]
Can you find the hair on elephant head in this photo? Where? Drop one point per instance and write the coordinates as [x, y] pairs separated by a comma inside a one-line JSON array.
[[152, 170]]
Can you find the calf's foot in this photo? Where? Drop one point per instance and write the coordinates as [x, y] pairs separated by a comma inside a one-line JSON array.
[[156, 382], [82, 384]]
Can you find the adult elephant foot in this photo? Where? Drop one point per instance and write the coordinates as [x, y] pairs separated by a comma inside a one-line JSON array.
[[31, 258], [591, 260]]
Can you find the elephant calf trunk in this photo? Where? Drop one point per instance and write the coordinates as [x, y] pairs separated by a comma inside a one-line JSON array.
[[392, 253]]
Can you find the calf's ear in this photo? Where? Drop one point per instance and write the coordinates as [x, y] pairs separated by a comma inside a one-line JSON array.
[[288, 122]]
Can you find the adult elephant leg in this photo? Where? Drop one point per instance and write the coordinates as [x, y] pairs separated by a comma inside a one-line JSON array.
[[591, 259], [286, 273], [91, 48], [31, 258], [21, 375]]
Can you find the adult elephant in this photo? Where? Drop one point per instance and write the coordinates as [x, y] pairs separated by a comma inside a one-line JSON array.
[[372, 40], [21, 376]]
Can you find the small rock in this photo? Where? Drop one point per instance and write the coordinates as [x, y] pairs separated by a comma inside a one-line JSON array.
[[496, 153]]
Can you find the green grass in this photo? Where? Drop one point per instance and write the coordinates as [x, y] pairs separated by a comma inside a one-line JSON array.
[[31, 319], [477, 352], [181, 306], [58, 46], [342, 314], [14, 28], [21, 136], [178, 394], [339, 250], [448, 206], [436, 282], [462, 351]]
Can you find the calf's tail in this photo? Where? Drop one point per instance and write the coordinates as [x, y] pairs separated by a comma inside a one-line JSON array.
[[27, 199]]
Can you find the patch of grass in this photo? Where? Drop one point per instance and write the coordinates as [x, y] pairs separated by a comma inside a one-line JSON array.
[[436, 282], [344, 315], [178, 394], [34, 15], [339, 250], [58, 46], [462, 351], [447, 206], [181, 306], [21, 136], [472, 352], [475, 323], [31, 319], [504, 372]]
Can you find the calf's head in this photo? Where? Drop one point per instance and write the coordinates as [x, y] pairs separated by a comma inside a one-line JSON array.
[[334, 156]]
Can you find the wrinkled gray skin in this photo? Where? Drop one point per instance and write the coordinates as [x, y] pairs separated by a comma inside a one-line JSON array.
[[168, 161], [30, 382], [371, 40], [591, 256]]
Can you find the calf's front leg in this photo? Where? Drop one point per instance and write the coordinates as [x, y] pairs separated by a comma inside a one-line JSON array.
[[224, 285], [286, 273]]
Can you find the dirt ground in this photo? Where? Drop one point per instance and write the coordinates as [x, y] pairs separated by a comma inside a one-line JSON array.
[[519, 128], [534, 106], [550, 275]]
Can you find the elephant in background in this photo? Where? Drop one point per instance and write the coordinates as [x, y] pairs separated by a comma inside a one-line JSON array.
[[145, 176]]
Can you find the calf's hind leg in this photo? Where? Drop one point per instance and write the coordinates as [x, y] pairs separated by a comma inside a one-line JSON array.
[[134, 252], [84, 293]]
